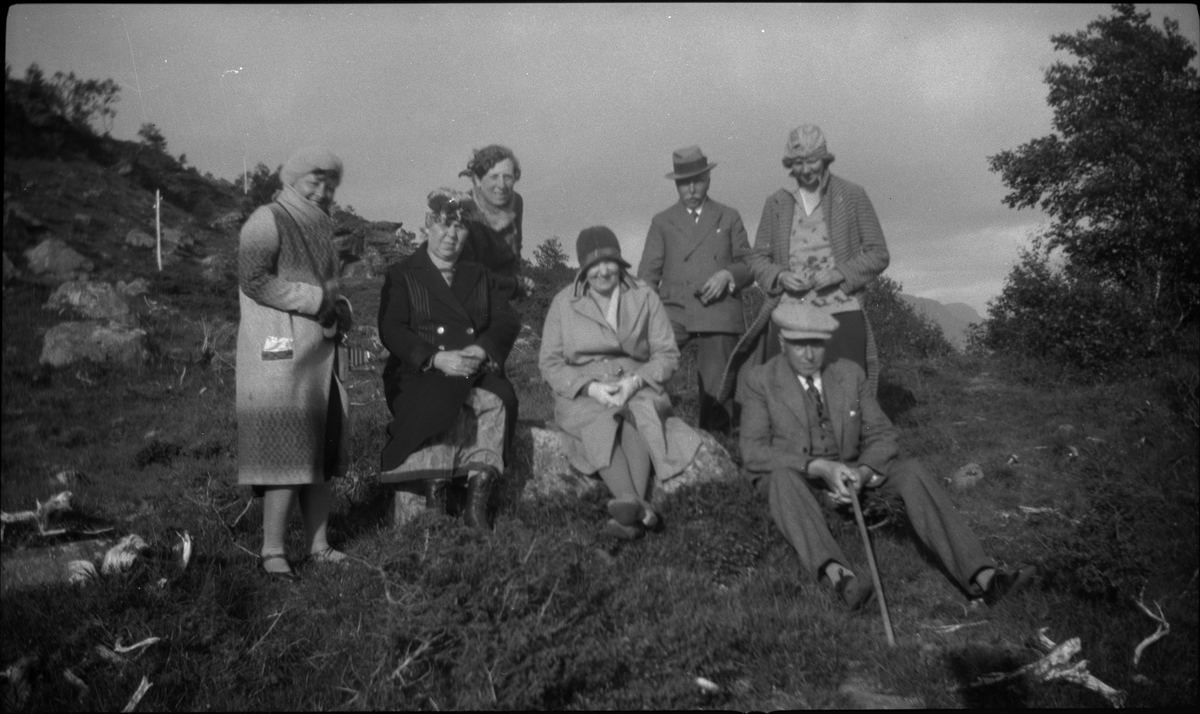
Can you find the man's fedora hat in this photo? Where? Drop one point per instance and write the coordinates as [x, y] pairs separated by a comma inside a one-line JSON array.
[[689, 161]]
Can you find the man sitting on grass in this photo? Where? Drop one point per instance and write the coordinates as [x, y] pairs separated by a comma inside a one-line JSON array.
[[807, 425]]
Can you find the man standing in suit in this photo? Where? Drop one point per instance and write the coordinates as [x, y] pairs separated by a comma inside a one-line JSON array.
[[695, 257], [809, 426]]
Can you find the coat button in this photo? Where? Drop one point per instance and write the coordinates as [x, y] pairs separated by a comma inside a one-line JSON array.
[[470, 330], [441, 330]]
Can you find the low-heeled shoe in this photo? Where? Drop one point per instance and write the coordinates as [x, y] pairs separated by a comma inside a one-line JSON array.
[[287, 576]]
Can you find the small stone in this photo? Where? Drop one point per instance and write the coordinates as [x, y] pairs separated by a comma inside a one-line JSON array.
[[139, 238], [82, 221], [53, 256], [1066, 429], [967, 477], [96, 300], [71, 342]]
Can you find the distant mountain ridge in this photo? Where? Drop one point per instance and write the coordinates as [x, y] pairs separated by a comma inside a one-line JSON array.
[[954, 319]]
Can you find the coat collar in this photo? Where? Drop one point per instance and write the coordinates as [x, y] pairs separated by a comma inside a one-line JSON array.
[[629, 311], [691, 232], [466, 275]]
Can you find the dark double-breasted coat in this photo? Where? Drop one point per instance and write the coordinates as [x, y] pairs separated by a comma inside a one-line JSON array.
[[419, 315], [681, 255]]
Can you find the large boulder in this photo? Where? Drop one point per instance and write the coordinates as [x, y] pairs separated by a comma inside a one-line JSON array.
[[96, 300], [72, 342], [54, 258], [542, 456]]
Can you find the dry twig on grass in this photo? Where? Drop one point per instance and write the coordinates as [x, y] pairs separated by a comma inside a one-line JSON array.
[[1163, 627], [137, 695]]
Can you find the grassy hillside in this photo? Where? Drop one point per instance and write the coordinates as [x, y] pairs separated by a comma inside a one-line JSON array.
[[1098, 485]]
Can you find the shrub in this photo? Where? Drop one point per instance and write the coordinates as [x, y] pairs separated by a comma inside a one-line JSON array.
[[1075, 319], [900, 331]]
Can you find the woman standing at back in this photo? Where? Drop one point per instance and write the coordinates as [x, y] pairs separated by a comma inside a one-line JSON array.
[[495, 232]]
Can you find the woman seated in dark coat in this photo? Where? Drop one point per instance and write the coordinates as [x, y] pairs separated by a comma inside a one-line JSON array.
[[449, 328]]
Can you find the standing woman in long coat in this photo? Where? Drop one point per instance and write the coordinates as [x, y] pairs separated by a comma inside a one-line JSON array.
[[292, 407], [818, 242], [607, 351]]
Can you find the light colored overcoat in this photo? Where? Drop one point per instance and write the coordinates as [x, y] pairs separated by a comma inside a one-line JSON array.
[[285, 360], [579, 346], [681, 255]]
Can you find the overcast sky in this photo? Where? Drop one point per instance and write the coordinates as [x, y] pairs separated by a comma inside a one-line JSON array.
[[594, 98]]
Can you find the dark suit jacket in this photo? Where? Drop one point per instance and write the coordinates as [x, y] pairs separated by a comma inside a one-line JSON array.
[[681, 255], [775, 424], [419, 315]]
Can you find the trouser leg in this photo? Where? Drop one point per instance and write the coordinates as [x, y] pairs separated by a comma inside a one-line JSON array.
[[797, 514], [617, 475], [936, 522], [637, 456], [712, 354]]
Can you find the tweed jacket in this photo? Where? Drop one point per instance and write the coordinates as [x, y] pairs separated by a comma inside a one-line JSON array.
[[859, 250], [286, 364], [775, 422], [420, 315], [579, 346], [681, 255]]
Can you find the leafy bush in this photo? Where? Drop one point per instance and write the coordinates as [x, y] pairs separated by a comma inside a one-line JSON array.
[[1072, 319], [900, 331]]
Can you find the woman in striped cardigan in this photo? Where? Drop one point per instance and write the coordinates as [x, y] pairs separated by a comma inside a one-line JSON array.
[[820, 243]]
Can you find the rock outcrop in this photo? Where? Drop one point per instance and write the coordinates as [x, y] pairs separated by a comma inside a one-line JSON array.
[[72, 342]]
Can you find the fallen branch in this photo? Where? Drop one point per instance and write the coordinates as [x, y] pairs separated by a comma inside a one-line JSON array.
[[947, 629], [137, 696], [1055, 665], [1163, 627], [58, 502]]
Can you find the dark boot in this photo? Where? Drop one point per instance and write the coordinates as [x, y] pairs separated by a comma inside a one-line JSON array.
[[435, 494], [479, 492]]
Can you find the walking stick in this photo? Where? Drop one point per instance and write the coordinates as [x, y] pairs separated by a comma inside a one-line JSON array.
[[862, 528]]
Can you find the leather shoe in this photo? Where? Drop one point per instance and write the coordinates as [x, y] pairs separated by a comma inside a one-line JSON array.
[[855, 592], [288, 576], [626, 511], [613, 529], [435, 494], [479, 492], [1007, 582]]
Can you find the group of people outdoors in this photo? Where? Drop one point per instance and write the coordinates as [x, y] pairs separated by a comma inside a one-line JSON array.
[[796, 382]]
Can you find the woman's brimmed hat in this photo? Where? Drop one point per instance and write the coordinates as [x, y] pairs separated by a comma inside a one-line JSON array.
[[689, 161], [450, 204], [805, 143], [596, 244], [307, 160]]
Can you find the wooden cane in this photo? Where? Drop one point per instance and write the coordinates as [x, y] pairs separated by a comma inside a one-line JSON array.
[[862, 528]]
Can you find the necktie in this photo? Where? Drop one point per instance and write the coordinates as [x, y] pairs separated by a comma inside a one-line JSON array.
[[696, 216], [811, 386]]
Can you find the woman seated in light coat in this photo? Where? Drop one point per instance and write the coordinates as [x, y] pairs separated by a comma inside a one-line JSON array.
[[607, 350]]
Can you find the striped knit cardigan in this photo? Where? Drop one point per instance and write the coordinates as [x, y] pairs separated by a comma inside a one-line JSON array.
[[859, 252]]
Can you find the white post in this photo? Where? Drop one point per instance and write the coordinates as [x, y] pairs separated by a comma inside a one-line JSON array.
[[158, 226]]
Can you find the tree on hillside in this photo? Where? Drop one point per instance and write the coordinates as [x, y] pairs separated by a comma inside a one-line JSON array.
[[152, 137], [79, 101], [1121, 174], [550, 254], [900, 331], [263, 184]]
